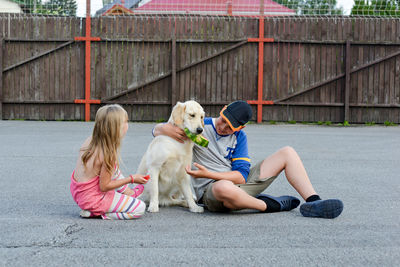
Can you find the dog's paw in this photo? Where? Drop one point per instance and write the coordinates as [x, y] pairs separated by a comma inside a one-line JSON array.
[[181, 202], [153, 208], [197, 209]]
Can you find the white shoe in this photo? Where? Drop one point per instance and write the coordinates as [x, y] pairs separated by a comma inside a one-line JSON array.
[[85, 214]]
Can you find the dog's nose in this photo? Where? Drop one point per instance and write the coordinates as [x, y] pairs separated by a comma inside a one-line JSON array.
[[199, 130]]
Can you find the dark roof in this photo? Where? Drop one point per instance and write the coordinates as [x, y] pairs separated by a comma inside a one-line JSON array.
[[129, 4]]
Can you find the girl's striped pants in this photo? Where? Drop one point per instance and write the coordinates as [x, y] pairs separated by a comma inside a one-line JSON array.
[[124, 207]]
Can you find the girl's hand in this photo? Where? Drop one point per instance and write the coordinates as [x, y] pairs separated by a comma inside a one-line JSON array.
[[139, 178], [201, 171]]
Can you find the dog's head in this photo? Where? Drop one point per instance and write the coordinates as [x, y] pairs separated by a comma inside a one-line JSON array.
[[188, 115]]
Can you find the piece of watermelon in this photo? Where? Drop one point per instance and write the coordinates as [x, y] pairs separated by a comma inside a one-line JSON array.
[[197, 138]]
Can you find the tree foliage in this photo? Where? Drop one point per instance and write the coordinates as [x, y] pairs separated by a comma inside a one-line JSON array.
[[312, 7], [48, 7], [385, 8], [60, 7], [28, 6]]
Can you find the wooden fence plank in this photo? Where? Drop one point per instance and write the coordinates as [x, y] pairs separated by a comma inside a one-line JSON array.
[[44, 75], [347, 82], [243, 65], [53, 88], [64, 61], [57, 73], [113, 50], [209, 65], [14, 57], [5, 77], [360, 75], [189, 60], [203, 72], [23, 88], [396, 96], [224, 78], [1, 76], [335, 59], [193, 71], [218, 92], [301, 29], [21, 79], [181, 76], [213, 79], [173, 67], [34, 74], [17, 56]]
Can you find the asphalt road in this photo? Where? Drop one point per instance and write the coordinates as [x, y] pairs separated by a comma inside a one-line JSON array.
[[40, 223]]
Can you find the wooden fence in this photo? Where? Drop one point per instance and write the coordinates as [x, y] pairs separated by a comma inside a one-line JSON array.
[[314, 69]]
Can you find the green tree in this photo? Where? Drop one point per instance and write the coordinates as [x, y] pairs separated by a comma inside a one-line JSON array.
[[28, 6], [320, 7], [48, 7], [60, 7], [382, 8], [312, 7]]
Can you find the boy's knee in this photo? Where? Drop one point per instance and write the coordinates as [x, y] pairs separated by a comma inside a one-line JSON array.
[[222, 189], [288, 150]]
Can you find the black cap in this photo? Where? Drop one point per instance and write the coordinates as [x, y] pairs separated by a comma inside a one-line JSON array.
[[237, 114]]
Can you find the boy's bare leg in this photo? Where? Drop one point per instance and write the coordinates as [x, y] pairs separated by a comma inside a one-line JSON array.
[[287, 159], [235, 198]]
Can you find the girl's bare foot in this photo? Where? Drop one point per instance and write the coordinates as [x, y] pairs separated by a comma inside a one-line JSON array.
[[128, 191], [135, 192]]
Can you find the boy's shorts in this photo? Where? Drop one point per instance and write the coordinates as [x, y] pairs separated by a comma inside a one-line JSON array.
[[253, 187]]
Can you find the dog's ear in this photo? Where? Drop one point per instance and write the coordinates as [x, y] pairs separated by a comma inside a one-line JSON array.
[[177, 113]]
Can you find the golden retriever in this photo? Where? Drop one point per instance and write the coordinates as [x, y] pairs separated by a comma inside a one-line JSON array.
[[165, 160]]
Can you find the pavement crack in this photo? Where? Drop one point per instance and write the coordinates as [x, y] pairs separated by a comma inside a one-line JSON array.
[[64, 239], [72, 229]]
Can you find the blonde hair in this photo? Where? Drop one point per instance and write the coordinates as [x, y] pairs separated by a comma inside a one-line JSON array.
[[106, 136]]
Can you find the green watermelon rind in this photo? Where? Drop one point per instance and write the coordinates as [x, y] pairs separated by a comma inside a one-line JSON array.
[[197, 138]]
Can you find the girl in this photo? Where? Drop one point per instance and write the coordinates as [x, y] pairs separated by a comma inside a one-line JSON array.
[[97, 185]]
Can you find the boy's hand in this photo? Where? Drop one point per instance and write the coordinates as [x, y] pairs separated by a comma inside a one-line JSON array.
[[174, 132], [201, 171]]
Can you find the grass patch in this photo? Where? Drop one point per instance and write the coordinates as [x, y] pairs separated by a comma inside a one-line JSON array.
[[161, 120], [272, 122], [292, 122], [389, 123], [328, 123], [372, 123]]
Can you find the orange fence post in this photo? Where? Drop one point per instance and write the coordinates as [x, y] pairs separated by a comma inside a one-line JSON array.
[[87, 38], [259, 102]]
